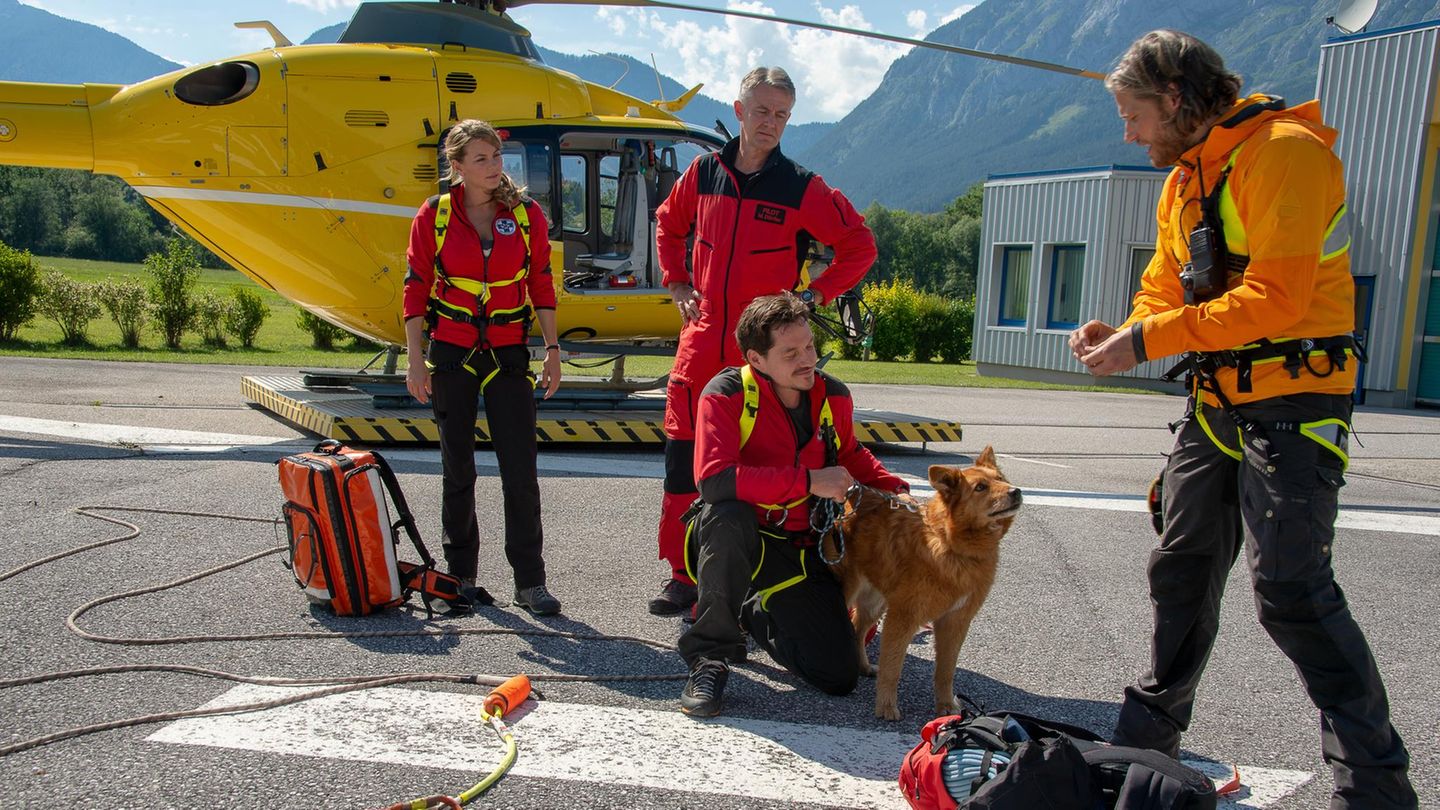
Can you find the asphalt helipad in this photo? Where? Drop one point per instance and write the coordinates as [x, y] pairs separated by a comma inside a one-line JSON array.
[[1063, 632]]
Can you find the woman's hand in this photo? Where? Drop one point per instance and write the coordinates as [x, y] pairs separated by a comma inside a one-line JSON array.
[[417, 379], [550, 373]]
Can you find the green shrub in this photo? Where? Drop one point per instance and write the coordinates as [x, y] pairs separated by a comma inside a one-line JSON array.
[[210, 313], [247, 312], [172, 282], [19, 289], [932, 321], [323, 334], [959, 330], [125, 300], [70, 304], [895, 304], [822, 338]]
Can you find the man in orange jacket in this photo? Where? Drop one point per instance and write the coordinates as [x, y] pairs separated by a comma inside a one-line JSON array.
[[750, 212], [1251, 284]]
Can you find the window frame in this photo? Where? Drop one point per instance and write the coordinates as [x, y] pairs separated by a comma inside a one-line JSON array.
[[1056, 251], [1005, 269]]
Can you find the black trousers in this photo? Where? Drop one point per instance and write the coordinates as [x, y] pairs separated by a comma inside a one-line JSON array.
[[510, 412], [804, 626], [1280, 507]]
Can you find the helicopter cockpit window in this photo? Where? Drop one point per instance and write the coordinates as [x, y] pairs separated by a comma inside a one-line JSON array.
[[574, 191], [438, 24], [214, 85], [528, 164]]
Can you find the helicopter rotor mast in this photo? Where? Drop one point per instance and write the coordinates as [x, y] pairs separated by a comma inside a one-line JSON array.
[[731, 12]]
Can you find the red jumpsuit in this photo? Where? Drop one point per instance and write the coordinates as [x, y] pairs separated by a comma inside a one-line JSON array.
[[750, 238]]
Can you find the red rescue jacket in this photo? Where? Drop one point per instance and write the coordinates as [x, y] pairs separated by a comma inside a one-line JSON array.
[[771, 469], [463, 258], [750, 243]]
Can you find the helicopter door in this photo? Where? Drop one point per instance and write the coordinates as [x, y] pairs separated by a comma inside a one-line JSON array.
[[625, 220]]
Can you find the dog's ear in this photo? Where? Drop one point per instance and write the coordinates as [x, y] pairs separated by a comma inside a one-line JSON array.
[[944, 479], [987, 459]]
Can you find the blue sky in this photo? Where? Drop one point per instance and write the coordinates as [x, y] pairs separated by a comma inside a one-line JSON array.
[[834, 71]]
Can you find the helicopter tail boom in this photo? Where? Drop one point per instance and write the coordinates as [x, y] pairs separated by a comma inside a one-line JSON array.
[[48, 125]]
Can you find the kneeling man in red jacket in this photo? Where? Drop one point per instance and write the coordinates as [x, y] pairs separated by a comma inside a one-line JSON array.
[[771, 438]]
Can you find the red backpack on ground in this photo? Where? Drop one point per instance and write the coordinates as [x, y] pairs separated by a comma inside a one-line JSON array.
[[342, 540]]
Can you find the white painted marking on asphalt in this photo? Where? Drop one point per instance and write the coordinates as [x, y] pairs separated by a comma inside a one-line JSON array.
[[763, 759], [759, 759], [162, 440], [1032, 461], [115, 434]]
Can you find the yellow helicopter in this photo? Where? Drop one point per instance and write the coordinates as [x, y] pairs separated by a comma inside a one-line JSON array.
[[302, 165]]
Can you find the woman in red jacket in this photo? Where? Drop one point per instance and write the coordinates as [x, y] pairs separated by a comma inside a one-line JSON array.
[[479, 271]]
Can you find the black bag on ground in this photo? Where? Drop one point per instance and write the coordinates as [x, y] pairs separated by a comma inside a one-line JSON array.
[[1009, 761]]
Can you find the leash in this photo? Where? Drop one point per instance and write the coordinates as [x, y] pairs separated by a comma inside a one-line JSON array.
[[831, 516]]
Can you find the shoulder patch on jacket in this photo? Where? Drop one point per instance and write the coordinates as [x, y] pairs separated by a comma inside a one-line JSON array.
[[833, 387], [725, 384]]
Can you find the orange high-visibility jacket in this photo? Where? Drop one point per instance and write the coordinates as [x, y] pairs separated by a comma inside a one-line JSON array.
[[1286, 211]]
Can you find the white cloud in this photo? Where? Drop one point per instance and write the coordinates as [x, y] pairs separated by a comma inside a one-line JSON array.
[[324, 6], [832, 71], [615, 19], [955, 14], [916, 20]]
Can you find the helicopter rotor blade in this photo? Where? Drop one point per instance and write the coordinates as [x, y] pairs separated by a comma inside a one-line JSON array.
[[919, 43]]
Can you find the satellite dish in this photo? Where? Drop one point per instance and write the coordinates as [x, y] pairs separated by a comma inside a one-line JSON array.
[[1353, 15]]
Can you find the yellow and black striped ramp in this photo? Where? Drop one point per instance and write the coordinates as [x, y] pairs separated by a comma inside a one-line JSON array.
[[349, 415]]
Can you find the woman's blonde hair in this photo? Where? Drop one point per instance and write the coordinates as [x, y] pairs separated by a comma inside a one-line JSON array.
[[472, 129]]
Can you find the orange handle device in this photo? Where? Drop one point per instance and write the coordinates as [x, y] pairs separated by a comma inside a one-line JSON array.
[[507, 696]]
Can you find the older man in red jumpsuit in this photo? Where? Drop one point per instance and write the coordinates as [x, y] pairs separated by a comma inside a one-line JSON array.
[[752, 213]]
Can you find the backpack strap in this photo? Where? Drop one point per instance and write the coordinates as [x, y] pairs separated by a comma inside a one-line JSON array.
[[1149, 780], [402, 509]]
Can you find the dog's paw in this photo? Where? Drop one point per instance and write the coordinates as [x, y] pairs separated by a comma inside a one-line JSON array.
[[886, 709], [868, 669], [946, 707]]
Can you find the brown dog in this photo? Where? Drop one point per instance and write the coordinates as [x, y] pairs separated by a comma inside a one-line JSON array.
[[935, 565]]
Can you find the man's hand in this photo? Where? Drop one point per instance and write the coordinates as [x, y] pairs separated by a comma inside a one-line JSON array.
[[1115, 355], [830, 482], [1086, 338], [687, 300]]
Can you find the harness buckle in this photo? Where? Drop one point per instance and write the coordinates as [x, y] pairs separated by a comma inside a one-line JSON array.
[[784, 515]]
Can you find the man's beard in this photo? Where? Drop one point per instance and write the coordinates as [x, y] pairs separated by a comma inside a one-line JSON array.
[[1167, 149]]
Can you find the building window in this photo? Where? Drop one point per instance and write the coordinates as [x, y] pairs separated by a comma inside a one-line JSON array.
[[1014, 285], [1067, 272], [1140, 257]]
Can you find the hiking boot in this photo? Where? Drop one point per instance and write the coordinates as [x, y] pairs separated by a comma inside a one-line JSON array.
[[537, 600], [675, 597], [705, 687]]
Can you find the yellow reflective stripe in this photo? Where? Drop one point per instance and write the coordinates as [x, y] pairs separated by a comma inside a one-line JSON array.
[[522, 218], [1205, 426], [442, 222], [827, 418], [1337, 236], [751, 405], [774, 589], [1348, 354], [1237, 242], [786, 506], [1337, 428], [685, 550]]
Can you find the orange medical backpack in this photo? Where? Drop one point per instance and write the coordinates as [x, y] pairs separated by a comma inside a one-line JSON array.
[[342, 540]]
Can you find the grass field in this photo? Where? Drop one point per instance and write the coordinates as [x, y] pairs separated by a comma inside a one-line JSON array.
[[281, 342]]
